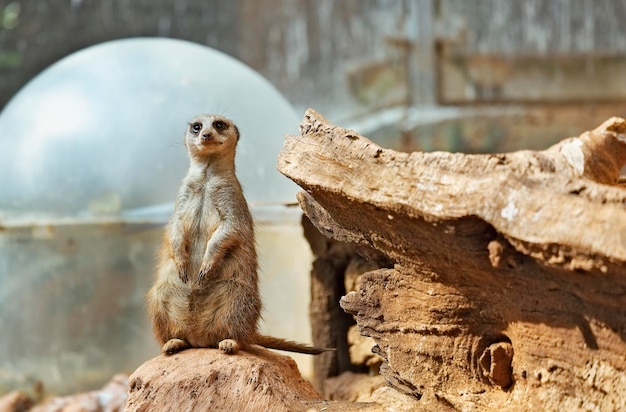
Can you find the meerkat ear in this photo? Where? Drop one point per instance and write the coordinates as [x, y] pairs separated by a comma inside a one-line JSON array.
[[236, 132]]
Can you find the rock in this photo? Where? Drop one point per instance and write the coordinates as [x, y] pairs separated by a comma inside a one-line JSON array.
[[506, 287], [355, 269], [15, 401], [111, 398], [329, 323], [353, 387], [207, 380], [361, 350]]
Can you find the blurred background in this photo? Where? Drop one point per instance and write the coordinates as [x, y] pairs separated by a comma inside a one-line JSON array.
[[524, 72], [79, 222]]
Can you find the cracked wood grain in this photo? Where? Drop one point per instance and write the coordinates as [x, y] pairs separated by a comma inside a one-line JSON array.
[[507, 286]]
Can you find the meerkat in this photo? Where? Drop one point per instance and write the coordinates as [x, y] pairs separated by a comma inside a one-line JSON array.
[[205, 293]]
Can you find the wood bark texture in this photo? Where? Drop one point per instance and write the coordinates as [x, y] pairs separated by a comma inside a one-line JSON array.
[[508, 283]]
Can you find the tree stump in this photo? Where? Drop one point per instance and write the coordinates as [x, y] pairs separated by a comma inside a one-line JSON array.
[[507, 287]]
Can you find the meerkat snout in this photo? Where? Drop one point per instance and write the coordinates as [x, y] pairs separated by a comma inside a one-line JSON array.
[[209, 134]]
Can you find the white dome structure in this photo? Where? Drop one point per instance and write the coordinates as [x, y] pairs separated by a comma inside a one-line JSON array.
[[101, 130], [91, 159]]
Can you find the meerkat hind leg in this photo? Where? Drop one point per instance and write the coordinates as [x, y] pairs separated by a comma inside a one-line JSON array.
[[175, 345], [229, 346]]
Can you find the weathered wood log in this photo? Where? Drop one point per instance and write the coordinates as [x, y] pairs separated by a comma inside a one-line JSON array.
[[509, 284], [329, 323]]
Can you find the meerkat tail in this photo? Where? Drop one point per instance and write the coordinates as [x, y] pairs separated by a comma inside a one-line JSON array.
[[289, 346]]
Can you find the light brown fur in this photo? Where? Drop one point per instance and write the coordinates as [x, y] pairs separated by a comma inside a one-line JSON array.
[[205, 293]]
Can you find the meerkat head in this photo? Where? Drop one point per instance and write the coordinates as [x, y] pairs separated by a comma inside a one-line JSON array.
[[211, 134]]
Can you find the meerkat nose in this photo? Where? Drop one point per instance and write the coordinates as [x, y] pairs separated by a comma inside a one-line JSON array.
[[206, 136]]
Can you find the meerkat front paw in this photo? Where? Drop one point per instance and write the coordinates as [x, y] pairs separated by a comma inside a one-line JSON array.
[[173, 346], [182, 271], [205, 272], [229, 346]]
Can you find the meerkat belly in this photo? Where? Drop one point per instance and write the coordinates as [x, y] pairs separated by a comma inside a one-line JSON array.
[[208, 221]]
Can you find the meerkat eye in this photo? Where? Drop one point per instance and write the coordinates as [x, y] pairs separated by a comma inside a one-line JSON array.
[[219, 125], [196, 127]]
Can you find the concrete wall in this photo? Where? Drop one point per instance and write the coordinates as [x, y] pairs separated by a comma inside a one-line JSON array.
[[351, 59]]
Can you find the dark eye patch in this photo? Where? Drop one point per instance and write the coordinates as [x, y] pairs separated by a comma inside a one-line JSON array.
[[219, 125], [196, 127]]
